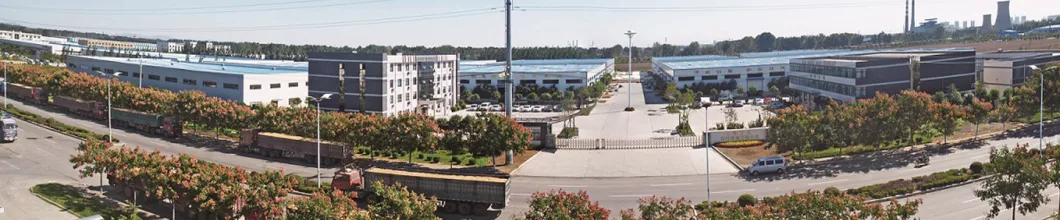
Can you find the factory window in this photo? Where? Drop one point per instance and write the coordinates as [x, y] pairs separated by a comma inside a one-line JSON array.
[[153, 77], [730, 70], [776, 74], [171, 79], [770, 68], [754, 75], [399, 82], [551, 81], [709, 78], [527, 82], [121, 73], [72, 65], [255, 87], [484, 82], [191, 82], [135, 74], [209, 84], [686, 78], [733, 76], [95, 68], [274, 86], [231, 86], [464, 81], [574, 81], [108, 71], [708, 72], [292, 85]]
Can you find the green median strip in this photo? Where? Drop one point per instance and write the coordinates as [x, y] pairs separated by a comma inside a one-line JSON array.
[[54, 124], [69, 199]]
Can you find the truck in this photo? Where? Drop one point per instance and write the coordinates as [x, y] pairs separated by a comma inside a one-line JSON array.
[[288, 146], [28, 93], [182, 204], [158, 124], [89, 109], [10, 128], [456, 193]]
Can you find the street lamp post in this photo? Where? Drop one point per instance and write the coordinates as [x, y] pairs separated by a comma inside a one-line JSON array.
[[110, 130], [706, 145], [629, 82], [141, 71], [1041, 110], [318, 100], [5, 84]]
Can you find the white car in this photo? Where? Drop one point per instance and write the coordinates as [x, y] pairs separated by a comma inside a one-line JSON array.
[[496, 108], [538, 108], [768, 165], [740, 102], [485, 106], [472, 107], [760, 101]]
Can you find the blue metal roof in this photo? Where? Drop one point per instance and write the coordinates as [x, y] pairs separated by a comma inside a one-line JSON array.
[[533, 66], [194, 66], [770, 58]]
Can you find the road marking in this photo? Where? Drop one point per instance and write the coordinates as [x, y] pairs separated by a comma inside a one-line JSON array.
[[1054, 194], [51, 141], [909, 170], [671, 184], [732, 191], [567, 186], [980, 156], [625, 196], [984, 217], [159, 143], [971, 200], [9, 164], [45, 152], [521, 194], [827, 182]]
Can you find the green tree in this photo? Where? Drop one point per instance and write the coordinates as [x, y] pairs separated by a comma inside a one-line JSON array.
[[661, 208], [774, 91], [500, 134], [914, 111], [533, 96], [1017, 184], [739, 91], [764, 42], [792, 129], [978, 112], [561, 205], [752, 91], [1004, 113], [397, 202]]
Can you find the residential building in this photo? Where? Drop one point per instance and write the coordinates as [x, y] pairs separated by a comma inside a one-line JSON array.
[[561, 73], [846, 78], [747, 69], [393, 84], [1006, 69], [243, 83]]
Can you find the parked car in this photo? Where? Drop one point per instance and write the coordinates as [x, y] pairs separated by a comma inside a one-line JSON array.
[[538, 108], [547, 108], [736, 103], [472, 107], [496, 108], [557, 108], [768, 165], [523, 108], [760, 101], [485, 106]]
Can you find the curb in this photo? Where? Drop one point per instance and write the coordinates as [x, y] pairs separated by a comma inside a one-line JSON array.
[[49, 201], [300, 193], [733, 162], [50, 128], [843, 158], [921, 192]]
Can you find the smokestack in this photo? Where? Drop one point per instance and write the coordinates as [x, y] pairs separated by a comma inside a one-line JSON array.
[[906, 28], [1004, 20], [912, 16], [986, 22]]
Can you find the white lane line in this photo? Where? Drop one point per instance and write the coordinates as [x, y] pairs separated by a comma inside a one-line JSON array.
[[971, 200], [159, 143], [567, 186], [909, 170], [984, 217], [48, 140], [626, 196], [827, 182], [671, 184], [9, 164], [45, 152], [732, 191], [980, 156], [1054, 194], [521, 194]]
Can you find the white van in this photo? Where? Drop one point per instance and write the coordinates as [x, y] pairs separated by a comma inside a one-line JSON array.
[[767, 165]]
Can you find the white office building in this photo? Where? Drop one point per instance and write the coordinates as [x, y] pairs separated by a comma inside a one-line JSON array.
[[248, 84], [562, 73]]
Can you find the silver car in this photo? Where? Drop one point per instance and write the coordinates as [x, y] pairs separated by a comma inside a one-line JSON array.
[[768, 165]]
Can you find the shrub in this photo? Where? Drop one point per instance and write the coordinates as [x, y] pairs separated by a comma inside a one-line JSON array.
[[435, 159], [719, 126], [470, 161], [737, 144], [757, 123], [568, 132], [420, 156], [673, 109], [746, 200], [734, 125], [832, 191], [976, 168]]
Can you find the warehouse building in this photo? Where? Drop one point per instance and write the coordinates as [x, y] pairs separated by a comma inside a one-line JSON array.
[[393, 84], [246, 84], [19, 35], [747, 70], [1006, 69], [561, 73], [846, 78]]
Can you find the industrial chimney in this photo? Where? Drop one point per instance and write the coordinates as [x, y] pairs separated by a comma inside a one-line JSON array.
[[912, 16], [1004, 20], [906, 28]]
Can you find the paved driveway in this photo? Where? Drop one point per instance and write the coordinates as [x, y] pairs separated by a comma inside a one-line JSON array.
[[625, 163]]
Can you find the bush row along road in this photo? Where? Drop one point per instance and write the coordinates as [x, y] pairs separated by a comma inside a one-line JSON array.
[[613, 193]]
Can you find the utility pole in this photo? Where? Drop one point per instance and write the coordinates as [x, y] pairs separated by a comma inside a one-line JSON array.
[[141, 71], [508, 85], [706, 145], [629, 82]]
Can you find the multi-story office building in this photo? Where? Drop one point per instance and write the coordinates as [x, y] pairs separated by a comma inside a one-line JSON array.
[[561, 73], [19, 35], [846, 78], [169, 47], [1006, 69], [105, 44], [243, 83], [392, 84], [747, 70]]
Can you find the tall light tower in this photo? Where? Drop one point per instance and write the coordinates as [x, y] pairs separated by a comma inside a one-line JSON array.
[[508, 85], [629, 94]]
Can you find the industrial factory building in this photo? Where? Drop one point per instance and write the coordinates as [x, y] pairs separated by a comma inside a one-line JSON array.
[[561, 73], [1006, 69], [747, 70], [847, 78], [393, 84], [247, 84]]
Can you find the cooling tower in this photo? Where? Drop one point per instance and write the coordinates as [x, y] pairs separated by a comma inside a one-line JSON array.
[[1004, 20], [986, 22]]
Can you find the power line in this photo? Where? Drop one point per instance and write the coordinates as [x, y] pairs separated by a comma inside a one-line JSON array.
[[288, 26], [162, 11]]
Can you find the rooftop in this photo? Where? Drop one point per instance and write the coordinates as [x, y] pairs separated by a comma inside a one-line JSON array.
[[194, 66], [1018, 54], [532, 66], [868, 55], [771, 58]]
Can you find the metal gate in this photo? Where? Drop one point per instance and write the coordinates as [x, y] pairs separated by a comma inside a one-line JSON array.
[[642, 143]]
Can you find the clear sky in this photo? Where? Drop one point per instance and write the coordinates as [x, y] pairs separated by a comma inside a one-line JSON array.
[[701, 20]]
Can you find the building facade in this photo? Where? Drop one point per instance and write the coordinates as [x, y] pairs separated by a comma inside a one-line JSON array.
[[746, 70], [392, 84], [19, 35], [249, 85], [846, 78], [1006, 69], [561, 73], [169, 47]]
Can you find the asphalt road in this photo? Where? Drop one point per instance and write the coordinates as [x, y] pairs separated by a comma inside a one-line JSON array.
[[38, 156], [959, 203], [612, 193]]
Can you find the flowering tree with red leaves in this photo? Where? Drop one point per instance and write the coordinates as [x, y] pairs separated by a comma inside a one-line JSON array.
[[655, 207], [563, 205], [978, 112]]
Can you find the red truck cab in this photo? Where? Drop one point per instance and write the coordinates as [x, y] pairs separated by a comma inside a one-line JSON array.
[[346, 180], [172, 127]]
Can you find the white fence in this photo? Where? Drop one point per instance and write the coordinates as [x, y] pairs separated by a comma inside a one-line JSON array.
[[645, 143]]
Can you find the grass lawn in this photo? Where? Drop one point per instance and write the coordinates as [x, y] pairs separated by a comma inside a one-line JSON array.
[[744, 156], [1034, 119], [586, 110], [444, 157], [71, 199]]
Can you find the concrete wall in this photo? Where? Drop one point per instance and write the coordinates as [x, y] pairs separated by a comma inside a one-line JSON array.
[[739, 135]]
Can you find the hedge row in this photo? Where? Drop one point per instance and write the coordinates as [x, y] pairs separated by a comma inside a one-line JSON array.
[[903, 186], [52, 123], [738, 144]]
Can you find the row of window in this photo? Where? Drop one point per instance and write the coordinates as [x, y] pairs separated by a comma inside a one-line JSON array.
[[274, 86], [210, 84], [730, 70], [828, 86], [523, 82], [730, 76], [829, 70]]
